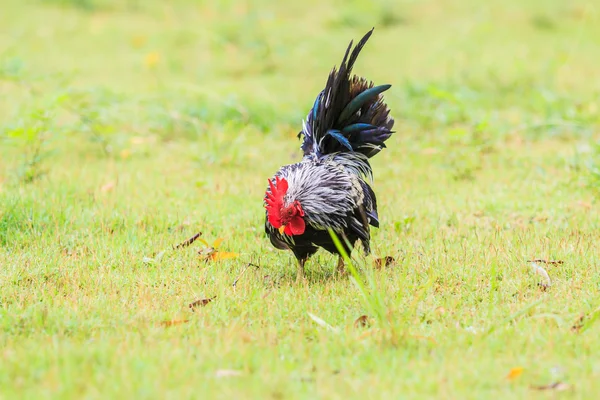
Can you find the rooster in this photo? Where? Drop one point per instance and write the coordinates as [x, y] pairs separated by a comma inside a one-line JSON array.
[[348, 124]]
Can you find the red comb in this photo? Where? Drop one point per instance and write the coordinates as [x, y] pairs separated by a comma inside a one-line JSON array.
[[274, 200], [278, 190]]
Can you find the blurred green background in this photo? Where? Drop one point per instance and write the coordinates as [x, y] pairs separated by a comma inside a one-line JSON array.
[[175, 68]]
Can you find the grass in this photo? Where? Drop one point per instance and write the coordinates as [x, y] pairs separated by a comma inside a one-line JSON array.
[[130, 126]]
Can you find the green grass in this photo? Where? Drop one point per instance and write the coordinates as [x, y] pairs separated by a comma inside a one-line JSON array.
[[129, 126]]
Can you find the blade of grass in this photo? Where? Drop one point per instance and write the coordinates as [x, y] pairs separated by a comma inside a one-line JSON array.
[[373, 302]]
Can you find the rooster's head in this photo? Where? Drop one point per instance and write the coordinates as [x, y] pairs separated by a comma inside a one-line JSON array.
[[287, 218]]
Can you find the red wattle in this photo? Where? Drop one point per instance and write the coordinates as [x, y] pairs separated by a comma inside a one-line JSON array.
[[295, 227]]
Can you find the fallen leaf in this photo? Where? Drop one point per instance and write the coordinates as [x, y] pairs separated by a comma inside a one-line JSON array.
[[217, 243], [200, 303], [538, 269], [558, 386], [222, 255], [152, 59], [189, 241], [322, 323], [514, 373], [585, 321], [173, 322], [107, 187], [225, 373], [578, 324], [361, 322], [385, 261], [212, 253]]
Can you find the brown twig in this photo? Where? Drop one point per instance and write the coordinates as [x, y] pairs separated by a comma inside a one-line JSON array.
[[200, 303], [243, 271], [188, 242], [552, 262]]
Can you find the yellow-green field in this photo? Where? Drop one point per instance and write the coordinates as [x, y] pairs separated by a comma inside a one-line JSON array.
[[129, 126]]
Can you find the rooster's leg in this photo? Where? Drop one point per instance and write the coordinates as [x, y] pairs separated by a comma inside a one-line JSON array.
[[300, 274], [340, 266]]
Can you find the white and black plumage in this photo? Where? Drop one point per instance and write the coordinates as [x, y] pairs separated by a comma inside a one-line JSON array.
[[348, 124]]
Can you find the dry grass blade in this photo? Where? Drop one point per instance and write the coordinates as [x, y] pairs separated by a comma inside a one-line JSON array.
[[189, 241], [173, 322], [226, 373], [243, 271], [558, 386], [322, 323], [200, 303]]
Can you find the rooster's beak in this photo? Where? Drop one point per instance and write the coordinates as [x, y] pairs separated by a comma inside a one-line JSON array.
[[281, 229]]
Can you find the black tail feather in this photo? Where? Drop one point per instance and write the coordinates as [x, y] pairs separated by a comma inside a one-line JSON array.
[[349, 114]]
